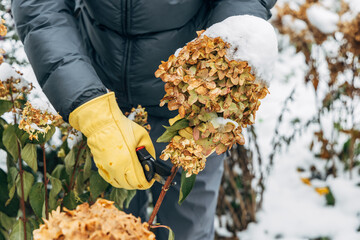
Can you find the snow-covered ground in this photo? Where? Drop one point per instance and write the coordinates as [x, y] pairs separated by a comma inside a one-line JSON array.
[[291, 209]]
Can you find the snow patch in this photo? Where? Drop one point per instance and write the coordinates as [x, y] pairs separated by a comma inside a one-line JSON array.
[[295, 24], [220, 121], [354, 6], [322, 18], [132, 115], [251, 39], [7, 72], [73, 139]]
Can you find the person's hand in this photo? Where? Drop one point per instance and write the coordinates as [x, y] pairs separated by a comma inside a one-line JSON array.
[[113, 140]]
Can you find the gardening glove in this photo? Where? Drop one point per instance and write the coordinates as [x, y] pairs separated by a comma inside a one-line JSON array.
[[113, 139]]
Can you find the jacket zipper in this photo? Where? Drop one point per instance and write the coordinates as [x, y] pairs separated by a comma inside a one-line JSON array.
[[126, 51]]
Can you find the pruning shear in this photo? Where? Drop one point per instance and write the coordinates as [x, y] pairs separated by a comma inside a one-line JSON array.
[[152, 168]]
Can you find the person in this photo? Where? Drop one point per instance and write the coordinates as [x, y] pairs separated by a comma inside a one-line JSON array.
[[81, 49]]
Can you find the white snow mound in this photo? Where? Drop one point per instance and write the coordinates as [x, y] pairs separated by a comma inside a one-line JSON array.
[[251, 39], [322, 18], [7, 71]]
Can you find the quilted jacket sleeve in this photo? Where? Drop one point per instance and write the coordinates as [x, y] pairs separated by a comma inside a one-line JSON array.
[[223, 9], [54, 47]]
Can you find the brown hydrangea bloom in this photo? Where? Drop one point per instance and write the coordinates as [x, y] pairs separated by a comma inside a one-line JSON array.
[[100, 221], [1, 55], [140, 116], [3, 29], [35, 122], [208, 88], [185, 153], [3, 32], [14, 88]]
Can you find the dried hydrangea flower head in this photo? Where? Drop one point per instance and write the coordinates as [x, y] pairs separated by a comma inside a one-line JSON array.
[[185, 153], [100, 221], [216, 95], [140, 116], [35, 121]]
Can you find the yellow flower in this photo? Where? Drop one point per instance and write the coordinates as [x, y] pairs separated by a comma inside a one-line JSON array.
[[322, 190], [306, 181]]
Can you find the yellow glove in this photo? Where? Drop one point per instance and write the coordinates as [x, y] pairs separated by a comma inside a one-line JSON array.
[[112, 139]]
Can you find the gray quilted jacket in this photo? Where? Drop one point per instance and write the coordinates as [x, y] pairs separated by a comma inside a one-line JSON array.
[[77, 50]]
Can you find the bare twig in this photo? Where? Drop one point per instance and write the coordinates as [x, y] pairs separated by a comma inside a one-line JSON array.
[[72, 180], [237, 193], [231, 209]]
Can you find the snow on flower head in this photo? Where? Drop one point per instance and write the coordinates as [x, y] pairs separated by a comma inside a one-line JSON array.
[[35, 121], [251, 39], [12, 84]]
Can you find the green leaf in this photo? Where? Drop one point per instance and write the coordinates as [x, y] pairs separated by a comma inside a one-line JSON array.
[[172, 130], [43, 138], [17, 232], [10, 141], [12, 209], [28, 153], [330, 199], [122, 197], [13, 173], [36, 198], [178, 125], [28, 179], [130, 196], [59, 171], [171, 234], [34, 224], [87, 166], [4, 235], [79, 183], [49, 134], [167, 136], [69, 201], [55, 190], [97, 185], [70, 161], [6, 221], [5, 106], [11, 195], [11, 177], [187, 183], [22, 136], [118, 195]]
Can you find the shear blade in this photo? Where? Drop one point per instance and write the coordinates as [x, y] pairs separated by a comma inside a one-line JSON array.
[[159, 179]]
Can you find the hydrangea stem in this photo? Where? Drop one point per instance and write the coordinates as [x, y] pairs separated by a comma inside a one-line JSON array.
[[21, 171], [46, 181], [72, 180], [22, 200], [164, 189]]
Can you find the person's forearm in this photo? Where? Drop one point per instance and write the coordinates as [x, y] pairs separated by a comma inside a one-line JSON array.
[[55, 50]]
